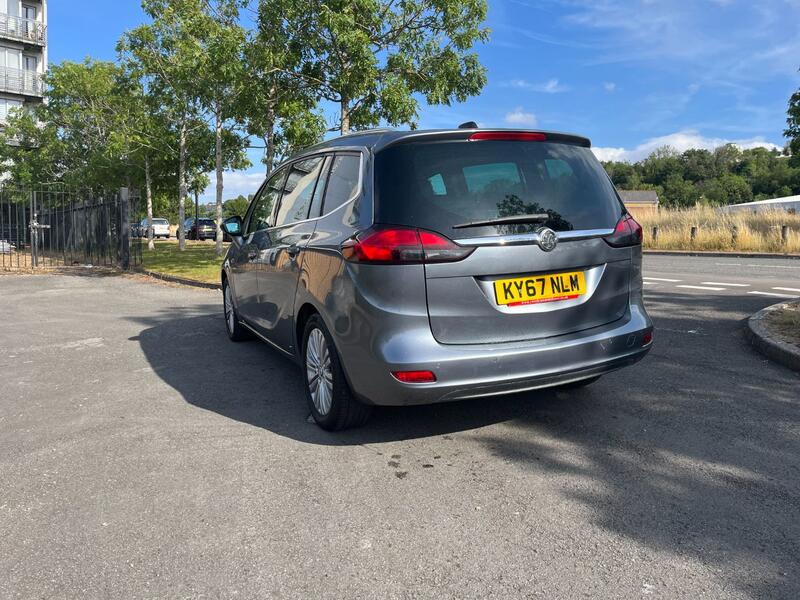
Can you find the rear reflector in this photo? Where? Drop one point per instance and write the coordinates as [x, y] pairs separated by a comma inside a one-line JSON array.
[[647, 338], [402, 245], [508, 136], [414, 376]]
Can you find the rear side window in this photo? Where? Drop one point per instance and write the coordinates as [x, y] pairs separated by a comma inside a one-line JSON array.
[[436, 185], [343, 180], [298, 191]]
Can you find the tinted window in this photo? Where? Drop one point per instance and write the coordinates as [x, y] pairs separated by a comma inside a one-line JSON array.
[[316, 201], [264, 202], [436, 185], [160, 221], [343, 180], [299, 190]]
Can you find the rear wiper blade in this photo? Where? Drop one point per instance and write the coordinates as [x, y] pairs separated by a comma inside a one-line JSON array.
[[537, 218]]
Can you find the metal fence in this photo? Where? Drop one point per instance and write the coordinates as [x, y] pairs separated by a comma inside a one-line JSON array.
[[55, 227]]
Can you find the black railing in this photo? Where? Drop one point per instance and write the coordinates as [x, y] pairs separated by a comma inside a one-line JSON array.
[[54, 227]]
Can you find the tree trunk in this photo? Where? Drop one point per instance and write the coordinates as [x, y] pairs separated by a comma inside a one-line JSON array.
[[269, 136], [148, 189], [345, 118], [218, 151], [182, 187]]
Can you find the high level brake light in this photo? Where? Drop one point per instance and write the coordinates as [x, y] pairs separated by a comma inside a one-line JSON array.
[[402, 245], [627, 233], [508, 136]]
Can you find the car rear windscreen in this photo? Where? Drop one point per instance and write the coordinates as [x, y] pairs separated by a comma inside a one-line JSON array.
[[436, 185], [160, 222]]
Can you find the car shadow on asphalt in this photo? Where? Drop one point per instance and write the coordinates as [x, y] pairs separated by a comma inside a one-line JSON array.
[[693, 451]]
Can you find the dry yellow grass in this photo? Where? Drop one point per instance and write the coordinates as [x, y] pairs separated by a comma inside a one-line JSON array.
[[759, 232]]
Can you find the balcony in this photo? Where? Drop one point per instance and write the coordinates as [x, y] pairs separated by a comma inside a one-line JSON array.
[[26, 31], [17, 81]]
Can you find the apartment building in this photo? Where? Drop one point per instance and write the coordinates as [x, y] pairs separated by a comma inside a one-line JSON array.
[[23, 53]]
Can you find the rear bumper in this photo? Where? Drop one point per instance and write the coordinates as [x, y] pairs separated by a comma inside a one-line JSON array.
[[470, 371]]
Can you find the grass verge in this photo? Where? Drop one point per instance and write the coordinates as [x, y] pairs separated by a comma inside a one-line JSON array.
[[199, 261], [718, 231], [785, 323]]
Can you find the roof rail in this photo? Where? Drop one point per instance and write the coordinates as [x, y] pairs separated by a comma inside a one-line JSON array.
[[367, 131]]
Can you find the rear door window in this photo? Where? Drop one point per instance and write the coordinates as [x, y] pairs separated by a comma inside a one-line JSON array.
[[344, 180], [436, 185], [299, 191]]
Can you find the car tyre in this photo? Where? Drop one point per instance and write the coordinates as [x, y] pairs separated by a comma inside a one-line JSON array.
[[333, 405], [236, 331]]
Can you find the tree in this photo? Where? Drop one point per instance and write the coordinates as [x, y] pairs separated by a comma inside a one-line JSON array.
[[728, 189], [792, 130], [372, 56], [166, 51], [276, 104], [235, 206]]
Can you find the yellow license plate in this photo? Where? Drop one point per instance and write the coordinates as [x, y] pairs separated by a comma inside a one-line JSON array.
[[539, 288]]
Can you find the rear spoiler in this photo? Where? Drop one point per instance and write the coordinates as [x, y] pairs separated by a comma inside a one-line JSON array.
[[465, 134]]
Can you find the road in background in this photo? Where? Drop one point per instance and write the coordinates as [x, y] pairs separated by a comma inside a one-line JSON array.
[[144, 455]]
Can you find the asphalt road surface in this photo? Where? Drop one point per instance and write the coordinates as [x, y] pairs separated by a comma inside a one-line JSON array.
[[142, 455]]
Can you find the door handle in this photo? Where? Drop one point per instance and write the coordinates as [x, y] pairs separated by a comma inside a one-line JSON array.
[[293, 250], [252, 253]]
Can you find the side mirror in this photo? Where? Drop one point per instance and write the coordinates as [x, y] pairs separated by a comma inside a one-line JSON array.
[[233, 227]]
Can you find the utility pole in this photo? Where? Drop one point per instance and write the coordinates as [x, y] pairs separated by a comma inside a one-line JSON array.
[[196, 215]]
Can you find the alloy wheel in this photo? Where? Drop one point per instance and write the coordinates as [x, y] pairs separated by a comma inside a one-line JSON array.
[[318, 371]]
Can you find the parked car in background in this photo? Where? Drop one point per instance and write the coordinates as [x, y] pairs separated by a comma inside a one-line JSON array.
[[207, 229], [160, 228], [416, 267], [6, 247]]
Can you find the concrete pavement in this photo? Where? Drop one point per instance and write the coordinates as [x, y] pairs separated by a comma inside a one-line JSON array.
[[142, 455]]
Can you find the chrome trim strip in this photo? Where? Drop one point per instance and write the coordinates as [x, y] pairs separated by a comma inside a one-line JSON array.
[[532, 238]]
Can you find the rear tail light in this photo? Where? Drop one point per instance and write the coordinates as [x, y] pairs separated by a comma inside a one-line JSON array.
[[508, 136], [414, 376], [627, 233], [402, 245], [647, 338]]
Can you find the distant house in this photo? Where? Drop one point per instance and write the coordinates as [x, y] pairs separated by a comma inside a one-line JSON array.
[[640, 202], [790, 204]]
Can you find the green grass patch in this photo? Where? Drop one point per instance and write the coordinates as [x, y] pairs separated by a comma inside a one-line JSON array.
[[199, 261]]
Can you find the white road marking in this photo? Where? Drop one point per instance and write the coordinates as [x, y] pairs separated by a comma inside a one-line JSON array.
[[727, 284], [774, 266], [700, 287], [662, 279], [775, 295], [728, 264], [787, 289]]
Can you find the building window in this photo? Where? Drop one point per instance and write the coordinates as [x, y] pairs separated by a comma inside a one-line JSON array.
[[6, 106]]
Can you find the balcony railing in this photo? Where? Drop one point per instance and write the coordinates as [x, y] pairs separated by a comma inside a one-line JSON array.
[[25, 30], [18, 81]]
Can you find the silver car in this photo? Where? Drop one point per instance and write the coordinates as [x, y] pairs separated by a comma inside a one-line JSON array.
[[402, 268]]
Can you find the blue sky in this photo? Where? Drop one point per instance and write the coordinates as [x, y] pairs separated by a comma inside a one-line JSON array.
[[630, 74]]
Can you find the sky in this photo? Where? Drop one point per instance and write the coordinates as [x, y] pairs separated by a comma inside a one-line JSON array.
[[632, 75]]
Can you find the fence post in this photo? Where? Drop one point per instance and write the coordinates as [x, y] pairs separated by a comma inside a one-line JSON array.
[[784, 234], [655, 234], [693, 233], [125, 230], [734, 235], [34, 233]]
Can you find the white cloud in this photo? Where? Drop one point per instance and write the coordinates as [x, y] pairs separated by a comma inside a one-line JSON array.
[[680, 141], [609, 86], [519, 117], [551, 86], [235, 183]]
